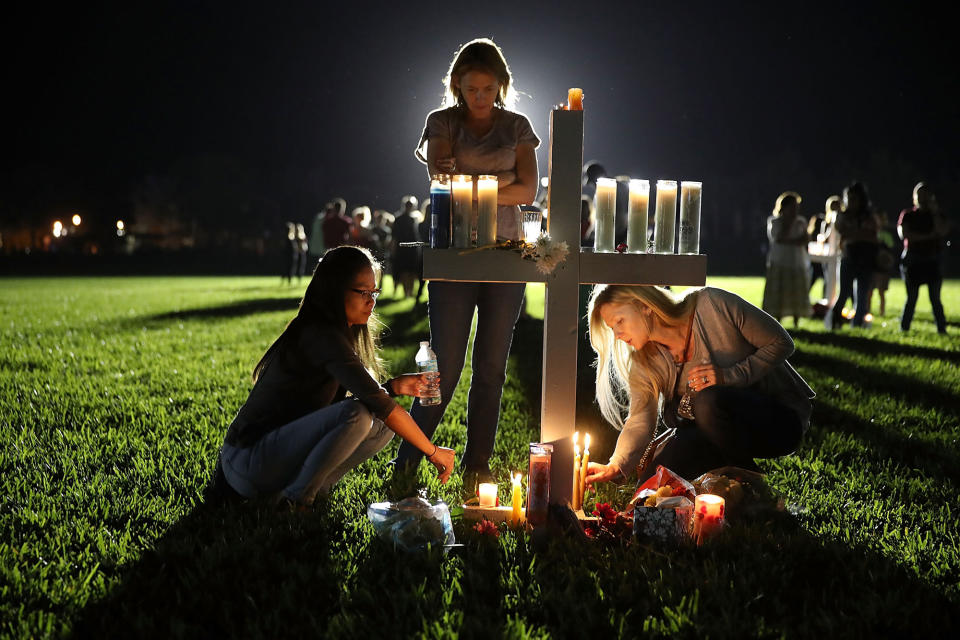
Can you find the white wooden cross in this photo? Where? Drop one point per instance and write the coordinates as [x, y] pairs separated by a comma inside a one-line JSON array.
[[558, 405]]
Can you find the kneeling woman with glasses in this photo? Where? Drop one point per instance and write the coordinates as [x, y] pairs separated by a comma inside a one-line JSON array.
[[298, 433]]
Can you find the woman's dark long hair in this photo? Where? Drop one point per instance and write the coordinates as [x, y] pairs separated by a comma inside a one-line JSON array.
[[323, 309]]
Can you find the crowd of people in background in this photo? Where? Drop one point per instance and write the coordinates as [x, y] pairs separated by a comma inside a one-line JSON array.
[[853, 248], [385, 235]]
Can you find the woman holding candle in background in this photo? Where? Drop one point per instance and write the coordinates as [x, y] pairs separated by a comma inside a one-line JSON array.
[[296, 435], [476, 133], [727, 356]]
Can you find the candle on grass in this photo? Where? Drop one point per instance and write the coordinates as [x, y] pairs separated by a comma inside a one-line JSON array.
[[538, 482], [575, 496], [462, 210], [488, 494], [637, 216], [486, 210], [516, 504], [689, 241], [584, 461], [665, 221], [708, 511], [605, 203]]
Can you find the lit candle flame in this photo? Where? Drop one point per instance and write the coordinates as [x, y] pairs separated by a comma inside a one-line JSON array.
[[586, 443]]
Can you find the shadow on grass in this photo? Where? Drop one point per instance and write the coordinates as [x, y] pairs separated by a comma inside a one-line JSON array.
[[887, 444], [231, 310], [871, 346], [243, 571], [230, 571], [884, 383]]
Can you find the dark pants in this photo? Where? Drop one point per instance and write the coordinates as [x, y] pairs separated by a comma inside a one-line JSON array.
[[918, 273], [451, 309], [733, 426], [861, 272]]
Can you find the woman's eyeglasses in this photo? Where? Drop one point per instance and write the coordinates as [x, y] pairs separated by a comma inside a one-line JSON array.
[[368, 294]]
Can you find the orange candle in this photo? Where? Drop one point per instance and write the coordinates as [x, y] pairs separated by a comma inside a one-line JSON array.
[[575, 99], [575, 497], [583, 468], [516, 513]]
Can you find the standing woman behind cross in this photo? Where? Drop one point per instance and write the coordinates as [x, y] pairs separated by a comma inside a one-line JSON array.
[[476, 133]]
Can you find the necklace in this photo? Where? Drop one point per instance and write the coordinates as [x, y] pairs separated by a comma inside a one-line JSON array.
[[684, 355]]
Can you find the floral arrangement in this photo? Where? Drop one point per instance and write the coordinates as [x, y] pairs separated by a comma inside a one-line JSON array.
[[611, 526], [545, 251], [487, 529]]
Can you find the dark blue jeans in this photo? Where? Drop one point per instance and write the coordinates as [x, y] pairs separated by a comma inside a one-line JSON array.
[[861, 272], [916, 273], [451, 314], [733, 426]]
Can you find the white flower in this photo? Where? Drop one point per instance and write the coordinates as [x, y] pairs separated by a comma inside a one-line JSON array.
[[548, 254]]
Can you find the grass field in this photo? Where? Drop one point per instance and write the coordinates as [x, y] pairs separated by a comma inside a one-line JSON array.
[[115, 393]]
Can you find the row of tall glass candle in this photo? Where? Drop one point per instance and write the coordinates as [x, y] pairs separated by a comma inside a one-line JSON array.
[[454, 222], [665, 217]]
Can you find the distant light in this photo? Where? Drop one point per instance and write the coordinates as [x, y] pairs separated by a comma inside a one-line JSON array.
[[120, 228], [76, 219], [57, 229]]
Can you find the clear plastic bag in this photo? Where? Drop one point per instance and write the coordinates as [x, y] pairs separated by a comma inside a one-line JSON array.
[[413, 524]]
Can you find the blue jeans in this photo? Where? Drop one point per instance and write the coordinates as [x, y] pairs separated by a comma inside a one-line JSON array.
[[306, 456], [451, 314], [733, 426], [850, 271]]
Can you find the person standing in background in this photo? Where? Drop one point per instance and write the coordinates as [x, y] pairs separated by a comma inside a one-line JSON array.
[[858, 245], [405, 259], [922, 229], [787, 286], [315, 244]]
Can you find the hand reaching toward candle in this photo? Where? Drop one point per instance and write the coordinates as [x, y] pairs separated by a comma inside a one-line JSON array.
[[443, 459], [597, 472], [411, 384]]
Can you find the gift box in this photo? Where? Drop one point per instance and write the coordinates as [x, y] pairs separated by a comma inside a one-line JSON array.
[[658, 524]]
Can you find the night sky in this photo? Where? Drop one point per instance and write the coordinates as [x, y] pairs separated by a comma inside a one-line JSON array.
[[306, 102]]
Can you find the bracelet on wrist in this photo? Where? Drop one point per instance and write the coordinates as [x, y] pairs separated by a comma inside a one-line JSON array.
[[435, 449]]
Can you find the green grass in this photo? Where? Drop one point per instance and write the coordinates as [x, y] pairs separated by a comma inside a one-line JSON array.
[[115, 393]]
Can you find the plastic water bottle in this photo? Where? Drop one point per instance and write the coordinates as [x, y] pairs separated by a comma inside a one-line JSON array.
[[427, 363]]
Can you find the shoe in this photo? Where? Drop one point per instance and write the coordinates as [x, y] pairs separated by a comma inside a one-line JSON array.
[[218, 491], [473, 478]]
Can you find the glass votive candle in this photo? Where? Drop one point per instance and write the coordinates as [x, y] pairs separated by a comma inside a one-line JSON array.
[[532, 223], [488, 494]]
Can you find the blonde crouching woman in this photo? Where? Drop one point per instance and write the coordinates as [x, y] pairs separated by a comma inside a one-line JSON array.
[[708, 363]]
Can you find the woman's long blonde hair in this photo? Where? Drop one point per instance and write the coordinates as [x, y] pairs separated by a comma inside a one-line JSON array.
[[616, 360]]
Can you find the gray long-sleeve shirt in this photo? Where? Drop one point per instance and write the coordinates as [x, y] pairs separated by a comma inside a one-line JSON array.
[[746, 344]]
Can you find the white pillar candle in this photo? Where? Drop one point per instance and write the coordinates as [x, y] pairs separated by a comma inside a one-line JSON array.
[[462, 210], [665, 222], [486, 210], [637, 216], [689, 241], [605, 204], [488, 494]]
